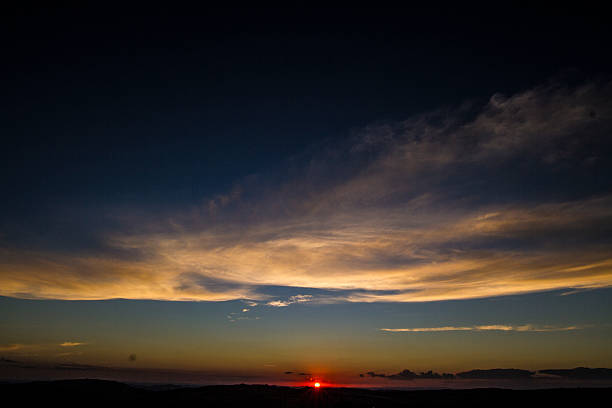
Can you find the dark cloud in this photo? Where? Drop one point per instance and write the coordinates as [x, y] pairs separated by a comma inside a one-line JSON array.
[[297, 373], [373, 374], [75, 366], [409, 375], [581, 373], [497, 374]]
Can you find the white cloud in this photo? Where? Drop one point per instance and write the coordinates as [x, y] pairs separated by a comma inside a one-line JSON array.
[[291, 300]]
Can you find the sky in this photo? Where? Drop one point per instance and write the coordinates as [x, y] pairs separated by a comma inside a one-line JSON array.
[[275, 195]]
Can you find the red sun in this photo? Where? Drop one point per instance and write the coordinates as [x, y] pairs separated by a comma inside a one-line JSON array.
[[317, 385]]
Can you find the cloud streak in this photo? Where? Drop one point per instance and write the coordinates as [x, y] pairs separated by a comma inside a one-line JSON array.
[[11, 347], [71, 344], [507, 198], [491, 327]]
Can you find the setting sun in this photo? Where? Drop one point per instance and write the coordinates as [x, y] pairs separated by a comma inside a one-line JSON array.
[[317, 385]]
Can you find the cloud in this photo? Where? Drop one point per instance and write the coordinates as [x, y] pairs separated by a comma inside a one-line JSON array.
[[8, 361], [76, 366], [493, 327], [290, 301], [409, 375], [278, 303], [71, 344], [298, 373], [235, 316], [71, 353], [373, 374], [582, 373], [497, 373], [430, 329], [11, 347], [507, 198]]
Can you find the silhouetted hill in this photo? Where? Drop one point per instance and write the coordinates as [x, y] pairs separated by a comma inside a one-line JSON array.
[[582, 373], [72, 390], [113, 394]]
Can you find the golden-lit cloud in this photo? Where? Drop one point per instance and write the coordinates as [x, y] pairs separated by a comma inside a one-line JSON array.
[[71, 344], [423, 210], [416, 263]]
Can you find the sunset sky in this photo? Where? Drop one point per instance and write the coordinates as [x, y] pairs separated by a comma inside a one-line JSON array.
[[279, 195]]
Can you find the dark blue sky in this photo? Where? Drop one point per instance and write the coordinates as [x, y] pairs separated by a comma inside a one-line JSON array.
[[109, 107]]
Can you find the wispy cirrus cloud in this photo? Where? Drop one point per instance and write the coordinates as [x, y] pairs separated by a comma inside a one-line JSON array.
[[506, 198], [490, 327]]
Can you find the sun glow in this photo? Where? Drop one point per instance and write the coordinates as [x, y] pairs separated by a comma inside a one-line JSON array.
[[317, 385]]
